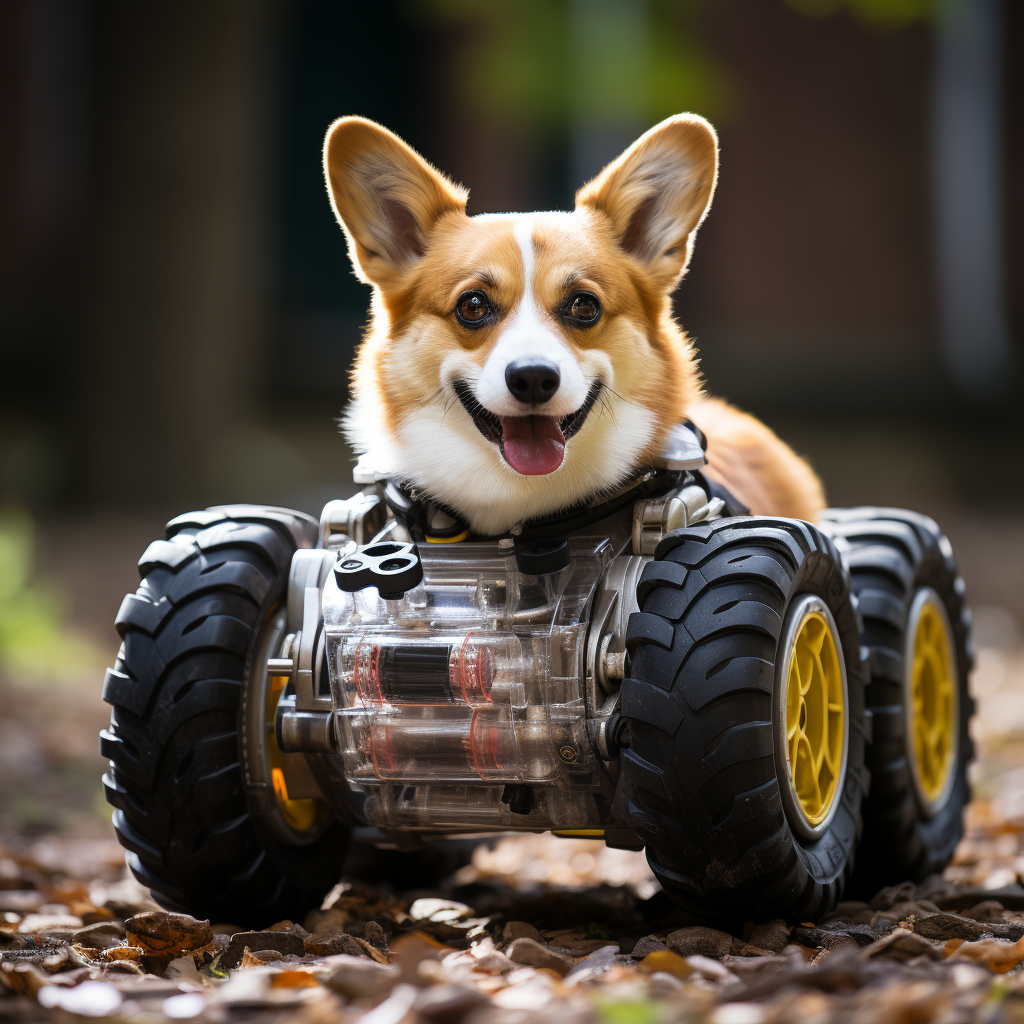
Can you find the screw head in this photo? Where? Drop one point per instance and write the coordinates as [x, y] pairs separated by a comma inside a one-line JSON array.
[[568, 754]]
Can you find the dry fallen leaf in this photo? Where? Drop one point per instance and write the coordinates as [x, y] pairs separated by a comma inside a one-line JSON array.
[[23, 978], [371, 951], [57, 961], [160, 933], [250, 959], [410, 949], [69, 891], [998, 955], [96, 915], [438, 910], [134, 953], [294, 979], [84, 956], [666, 960]]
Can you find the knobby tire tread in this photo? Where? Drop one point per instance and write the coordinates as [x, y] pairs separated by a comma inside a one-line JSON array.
[[705, 796], [175, 778], [891, 553]]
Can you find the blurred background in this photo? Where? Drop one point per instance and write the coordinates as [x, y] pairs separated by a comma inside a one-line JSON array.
[[178, 315]]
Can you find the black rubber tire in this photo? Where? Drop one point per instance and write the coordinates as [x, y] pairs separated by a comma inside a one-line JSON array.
[[891, 554], [698, 700], [175, 777]]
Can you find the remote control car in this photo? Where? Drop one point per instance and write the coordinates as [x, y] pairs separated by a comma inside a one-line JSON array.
[[735, 694]]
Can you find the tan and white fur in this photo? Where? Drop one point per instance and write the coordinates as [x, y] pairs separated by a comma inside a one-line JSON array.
[[430, 382]]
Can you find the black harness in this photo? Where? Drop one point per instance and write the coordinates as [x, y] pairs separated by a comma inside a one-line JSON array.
[[427, 519]]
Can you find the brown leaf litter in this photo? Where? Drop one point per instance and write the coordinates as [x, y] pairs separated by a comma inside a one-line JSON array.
[[482, 951]]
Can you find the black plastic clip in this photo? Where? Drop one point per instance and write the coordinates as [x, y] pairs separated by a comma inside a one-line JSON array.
[[393, 568], [541, 557]]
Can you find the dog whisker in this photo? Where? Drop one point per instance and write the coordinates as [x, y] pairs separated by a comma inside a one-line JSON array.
[[440, 426], [448, 403], [607, 406], [625, 401]]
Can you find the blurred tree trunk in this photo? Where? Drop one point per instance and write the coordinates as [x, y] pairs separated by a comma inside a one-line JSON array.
[[969, 202], [180, 301]]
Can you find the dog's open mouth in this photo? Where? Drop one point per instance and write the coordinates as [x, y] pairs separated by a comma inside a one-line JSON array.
[[531, 445]]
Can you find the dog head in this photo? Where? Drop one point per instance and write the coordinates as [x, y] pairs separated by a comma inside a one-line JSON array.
[[517, 364]]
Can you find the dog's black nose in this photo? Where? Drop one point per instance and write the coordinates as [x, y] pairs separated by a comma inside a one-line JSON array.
[[533, 383]]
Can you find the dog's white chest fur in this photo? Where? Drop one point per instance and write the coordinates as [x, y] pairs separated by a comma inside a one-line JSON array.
[[442, 456]]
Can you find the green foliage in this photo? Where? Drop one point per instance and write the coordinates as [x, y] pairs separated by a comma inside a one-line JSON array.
[[34, 639], [547, 63], [631, 1011], [553, 64], [883, 14]]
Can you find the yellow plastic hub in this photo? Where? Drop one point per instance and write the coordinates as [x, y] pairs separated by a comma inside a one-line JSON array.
[[932, 700], [815, 724], [448, 540], [301, 815]]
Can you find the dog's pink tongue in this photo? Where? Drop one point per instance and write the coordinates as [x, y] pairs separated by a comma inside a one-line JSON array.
[[533, 445]]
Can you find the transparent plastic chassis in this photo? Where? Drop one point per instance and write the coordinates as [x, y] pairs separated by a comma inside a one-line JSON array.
[[482, 700]]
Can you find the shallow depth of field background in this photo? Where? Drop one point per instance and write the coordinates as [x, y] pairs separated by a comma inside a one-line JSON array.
[[177, 313]]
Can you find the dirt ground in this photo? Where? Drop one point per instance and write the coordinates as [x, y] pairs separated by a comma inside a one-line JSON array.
[[534, 928]]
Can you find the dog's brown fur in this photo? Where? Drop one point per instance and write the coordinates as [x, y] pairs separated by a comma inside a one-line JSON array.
[[628, 242], [762, 471]]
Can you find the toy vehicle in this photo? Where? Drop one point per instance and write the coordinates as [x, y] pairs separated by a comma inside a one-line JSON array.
[[734, 693]]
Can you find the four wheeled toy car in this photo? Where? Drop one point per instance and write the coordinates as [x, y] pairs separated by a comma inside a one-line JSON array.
[[775, 710]]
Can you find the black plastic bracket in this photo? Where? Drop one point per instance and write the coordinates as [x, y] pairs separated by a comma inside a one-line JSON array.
[[541, 557], [393, 568]]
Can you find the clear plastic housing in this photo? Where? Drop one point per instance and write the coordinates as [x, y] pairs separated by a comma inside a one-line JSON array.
[[469, 685], [475, 668]]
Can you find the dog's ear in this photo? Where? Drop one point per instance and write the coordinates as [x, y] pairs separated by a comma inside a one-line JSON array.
[[656, 194], [386, 197]]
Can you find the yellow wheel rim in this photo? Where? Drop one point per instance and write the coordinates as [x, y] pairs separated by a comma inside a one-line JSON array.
[[301, 815], [814, 706], [932, 710]]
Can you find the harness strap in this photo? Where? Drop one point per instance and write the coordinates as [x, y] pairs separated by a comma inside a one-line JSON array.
[[429, 520]]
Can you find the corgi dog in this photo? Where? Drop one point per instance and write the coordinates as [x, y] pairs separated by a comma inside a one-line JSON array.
[[517, 365]]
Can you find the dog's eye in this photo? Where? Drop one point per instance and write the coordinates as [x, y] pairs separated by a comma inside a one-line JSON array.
[[473, 309], [584, 309]]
